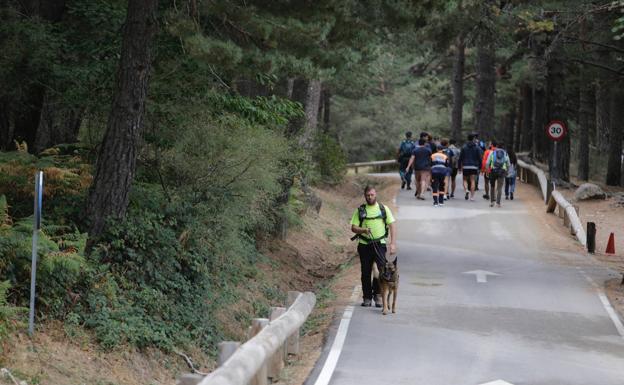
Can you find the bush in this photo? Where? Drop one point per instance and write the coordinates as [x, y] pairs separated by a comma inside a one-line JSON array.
[[330, 159], [8, 314]]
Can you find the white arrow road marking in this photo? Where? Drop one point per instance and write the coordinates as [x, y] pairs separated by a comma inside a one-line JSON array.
[[497, 382], [481, 278]]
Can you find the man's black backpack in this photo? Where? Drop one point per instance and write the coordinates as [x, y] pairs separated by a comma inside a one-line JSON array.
[[362, 214]]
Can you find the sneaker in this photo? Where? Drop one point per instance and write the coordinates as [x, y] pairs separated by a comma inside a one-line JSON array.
[[452, 195], [435, 205], [378, 302], [441, 205], [466, 196], [485, 196], [491, 204], [409, 187], [506, 197], [472, 199], [511, 196], [498, 205], [402, 185], [419, 197], [367, 302]]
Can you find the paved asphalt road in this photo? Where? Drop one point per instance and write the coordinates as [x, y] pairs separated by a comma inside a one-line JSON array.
[[540, 321]]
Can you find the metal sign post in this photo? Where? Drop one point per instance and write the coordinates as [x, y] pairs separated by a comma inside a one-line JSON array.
[[35, 238], [556, 131]]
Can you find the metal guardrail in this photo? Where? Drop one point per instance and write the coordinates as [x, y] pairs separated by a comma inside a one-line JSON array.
[[378, 163], [260, 358]]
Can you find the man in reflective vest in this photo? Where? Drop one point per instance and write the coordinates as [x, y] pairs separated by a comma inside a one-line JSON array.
[[373, 225]]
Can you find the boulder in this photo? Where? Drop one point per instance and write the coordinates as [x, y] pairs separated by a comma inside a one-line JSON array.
[[589, 191]]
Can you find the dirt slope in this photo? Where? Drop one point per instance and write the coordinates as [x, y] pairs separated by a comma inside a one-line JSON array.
[[317, 255]]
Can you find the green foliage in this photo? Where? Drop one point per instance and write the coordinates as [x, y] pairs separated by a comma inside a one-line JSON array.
[[146, 288], [8, 313], [260, 110], [330, 159]]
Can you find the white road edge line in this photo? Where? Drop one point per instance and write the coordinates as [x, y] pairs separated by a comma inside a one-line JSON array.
[[605, 303], [332, 358]]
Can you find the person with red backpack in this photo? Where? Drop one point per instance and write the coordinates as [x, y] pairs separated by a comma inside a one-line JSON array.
[[497, 165]]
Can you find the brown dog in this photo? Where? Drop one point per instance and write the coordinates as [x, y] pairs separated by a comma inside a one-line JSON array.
[[388, 283]]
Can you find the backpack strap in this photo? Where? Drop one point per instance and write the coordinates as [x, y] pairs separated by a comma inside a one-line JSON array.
[[363, 216]]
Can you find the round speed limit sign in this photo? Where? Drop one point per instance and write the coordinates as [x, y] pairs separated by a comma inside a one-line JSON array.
[[556, 130]]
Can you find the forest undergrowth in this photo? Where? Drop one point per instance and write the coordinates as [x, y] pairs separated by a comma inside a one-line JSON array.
[[158, 284]]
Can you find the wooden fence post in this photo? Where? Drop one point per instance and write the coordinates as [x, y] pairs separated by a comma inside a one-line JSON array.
[[572, 230], [257, 324], [591, 237], [552, 204], [276, 363], [226, 349], [190, 379], [292, 347]]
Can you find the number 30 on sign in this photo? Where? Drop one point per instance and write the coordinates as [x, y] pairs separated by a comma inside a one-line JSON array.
[[556, 130]]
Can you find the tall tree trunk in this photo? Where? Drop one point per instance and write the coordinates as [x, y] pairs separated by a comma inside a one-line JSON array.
[[527, 118], [614, 164], [485, 99], [308, 93], [509, 128], [458, 88], [57, 124], [6, 128], [585, 107], [27, 115], [539, 147], [326, 107], [603, 115], [559, 161], [116, 163], [518, 124]]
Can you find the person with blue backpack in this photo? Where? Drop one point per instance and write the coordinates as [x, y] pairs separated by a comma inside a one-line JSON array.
[[404, 153], [510, 179], [497, 165]]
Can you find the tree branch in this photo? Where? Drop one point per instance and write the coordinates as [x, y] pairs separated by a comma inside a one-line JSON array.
[[598, 65], [611, 47]]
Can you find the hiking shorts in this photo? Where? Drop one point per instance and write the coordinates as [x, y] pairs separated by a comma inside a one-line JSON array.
[[422, 175], [470, 171]]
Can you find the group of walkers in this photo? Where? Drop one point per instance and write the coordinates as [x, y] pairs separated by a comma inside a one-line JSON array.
[[436, 163]]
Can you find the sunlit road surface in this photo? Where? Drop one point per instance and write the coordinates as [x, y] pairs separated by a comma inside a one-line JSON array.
[[481, 301]]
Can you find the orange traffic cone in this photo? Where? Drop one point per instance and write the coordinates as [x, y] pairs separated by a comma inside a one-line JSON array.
[[611, 245]]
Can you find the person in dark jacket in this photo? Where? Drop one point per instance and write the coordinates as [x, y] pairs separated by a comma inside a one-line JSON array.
[[420, 162], [404, 153], [470, 164]]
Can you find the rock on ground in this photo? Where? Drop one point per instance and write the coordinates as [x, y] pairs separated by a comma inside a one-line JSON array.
[[589, 191]]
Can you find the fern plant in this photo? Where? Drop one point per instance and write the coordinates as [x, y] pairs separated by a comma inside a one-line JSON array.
[[8, 314]]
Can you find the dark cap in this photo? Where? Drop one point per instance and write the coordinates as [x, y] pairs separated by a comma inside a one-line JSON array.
[[408, 134]]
